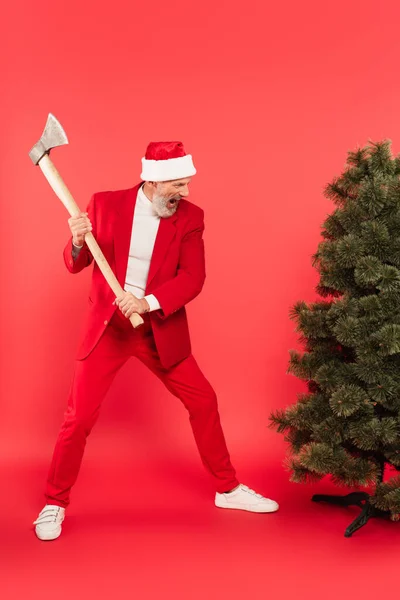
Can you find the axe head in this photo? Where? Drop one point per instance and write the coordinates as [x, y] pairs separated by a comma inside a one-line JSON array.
[[52, 136]]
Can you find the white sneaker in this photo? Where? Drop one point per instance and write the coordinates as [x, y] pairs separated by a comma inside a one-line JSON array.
[[48, 523], [243, 498]]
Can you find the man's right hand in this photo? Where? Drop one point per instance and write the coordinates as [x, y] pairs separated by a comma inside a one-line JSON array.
[[79, 226]]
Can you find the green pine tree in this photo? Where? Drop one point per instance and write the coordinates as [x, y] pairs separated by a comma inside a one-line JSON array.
[[347, 424]]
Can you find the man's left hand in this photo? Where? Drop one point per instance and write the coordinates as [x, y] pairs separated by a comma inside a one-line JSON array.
[[129, 304]]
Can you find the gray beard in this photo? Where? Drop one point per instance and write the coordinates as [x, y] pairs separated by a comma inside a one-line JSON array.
[[160, 205]]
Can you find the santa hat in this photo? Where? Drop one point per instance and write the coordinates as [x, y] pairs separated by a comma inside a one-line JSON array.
[[165, 161]]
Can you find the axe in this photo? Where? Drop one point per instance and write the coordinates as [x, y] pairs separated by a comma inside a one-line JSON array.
[[53, 136]]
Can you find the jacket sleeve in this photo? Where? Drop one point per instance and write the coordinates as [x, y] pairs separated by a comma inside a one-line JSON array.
[[189, 280], [84, 258]]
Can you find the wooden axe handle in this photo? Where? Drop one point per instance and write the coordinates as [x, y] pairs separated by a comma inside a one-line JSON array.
[[61, 190]]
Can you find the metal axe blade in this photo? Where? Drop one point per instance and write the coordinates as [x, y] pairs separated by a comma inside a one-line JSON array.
[[53, 135]]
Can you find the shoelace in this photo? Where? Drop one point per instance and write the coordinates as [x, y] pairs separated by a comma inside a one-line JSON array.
[[48, 515], [247, 489]]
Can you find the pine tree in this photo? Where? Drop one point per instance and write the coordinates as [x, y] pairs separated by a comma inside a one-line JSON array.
[[347, 423]]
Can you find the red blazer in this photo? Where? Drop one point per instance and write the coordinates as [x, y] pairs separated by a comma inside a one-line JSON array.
[[176, 275]]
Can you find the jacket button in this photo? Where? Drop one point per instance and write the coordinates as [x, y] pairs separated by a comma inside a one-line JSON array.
[[71, 262], [105, 322]]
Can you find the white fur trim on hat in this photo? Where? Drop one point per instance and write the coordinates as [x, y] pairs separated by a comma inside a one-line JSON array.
[[167, 170]]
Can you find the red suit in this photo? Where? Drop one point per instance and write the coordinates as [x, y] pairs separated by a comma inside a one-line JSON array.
[[176, 276]]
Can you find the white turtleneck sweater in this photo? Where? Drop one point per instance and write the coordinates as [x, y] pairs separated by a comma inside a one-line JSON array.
[[143, 236]]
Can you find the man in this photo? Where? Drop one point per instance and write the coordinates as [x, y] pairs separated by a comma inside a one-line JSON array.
[[153, 239]]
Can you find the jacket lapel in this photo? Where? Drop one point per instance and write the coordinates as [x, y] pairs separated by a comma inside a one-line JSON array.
[[123, 232], [165, 235]]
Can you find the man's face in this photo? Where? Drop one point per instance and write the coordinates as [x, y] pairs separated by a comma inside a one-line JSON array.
[[167, 195]]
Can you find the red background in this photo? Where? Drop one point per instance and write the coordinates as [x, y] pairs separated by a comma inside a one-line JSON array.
[[268, 97]]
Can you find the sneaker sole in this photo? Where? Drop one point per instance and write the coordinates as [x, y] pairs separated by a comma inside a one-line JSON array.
[[47, 536], [248, 508]]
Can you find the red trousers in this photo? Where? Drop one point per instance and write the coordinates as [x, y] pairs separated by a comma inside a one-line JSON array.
[[92, 379]]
